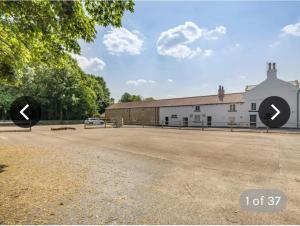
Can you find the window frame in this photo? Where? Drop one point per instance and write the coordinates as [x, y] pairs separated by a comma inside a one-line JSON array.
[[251, 107], [197, 108], [232, 108], [174, 116]]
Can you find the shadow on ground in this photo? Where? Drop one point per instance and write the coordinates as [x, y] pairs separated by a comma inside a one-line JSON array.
[[2, 167]]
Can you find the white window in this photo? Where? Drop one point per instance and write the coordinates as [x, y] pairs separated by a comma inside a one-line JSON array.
[[253, 106], [197, 108], [232, 107]]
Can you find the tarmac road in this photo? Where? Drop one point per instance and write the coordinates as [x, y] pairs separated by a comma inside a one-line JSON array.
[[144, 176]]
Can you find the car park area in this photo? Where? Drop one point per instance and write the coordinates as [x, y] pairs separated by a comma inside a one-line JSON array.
[[144, 176]]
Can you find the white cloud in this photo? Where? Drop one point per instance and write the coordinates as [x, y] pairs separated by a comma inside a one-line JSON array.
[[170, 80], [292, 29], [89, 64], [121, 41], [151, 81], [242, 77], [274, 44], [176, 41], [139, 82], [214, 34]]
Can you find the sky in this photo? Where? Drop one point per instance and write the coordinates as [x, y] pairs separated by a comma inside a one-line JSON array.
[[169, 49]]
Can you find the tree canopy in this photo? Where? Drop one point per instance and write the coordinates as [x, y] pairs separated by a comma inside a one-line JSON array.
[[43, 31], [127, 97], [65, 93], [36, 40]]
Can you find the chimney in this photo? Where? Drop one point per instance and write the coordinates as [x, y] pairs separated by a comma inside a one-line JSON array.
[[221, 93], [272, 71]]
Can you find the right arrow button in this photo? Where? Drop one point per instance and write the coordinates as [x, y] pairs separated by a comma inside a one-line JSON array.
[[277, 112], [274, 112]]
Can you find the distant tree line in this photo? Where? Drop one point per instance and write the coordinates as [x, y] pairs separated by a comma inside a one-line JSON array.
[[65, 93], [127, 97]]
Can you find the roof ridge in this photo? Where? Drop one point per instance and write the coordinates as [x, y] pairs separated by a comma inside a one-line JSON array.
[[176, 98], [199, 96]]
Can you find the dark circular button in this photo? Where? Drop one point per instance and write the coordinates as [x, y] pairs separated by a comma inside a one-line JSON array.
[[25, 111], [274, 112]]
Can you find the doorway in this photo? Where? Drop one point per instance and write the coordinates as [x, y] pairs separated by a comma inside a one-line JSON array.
[[185, 121], [209, 121], [166, 121], [253, 121]]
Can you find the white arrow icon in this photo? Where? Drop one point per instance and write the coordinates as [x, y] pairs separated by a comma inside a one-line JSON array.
[[277, 112], [22, 112]]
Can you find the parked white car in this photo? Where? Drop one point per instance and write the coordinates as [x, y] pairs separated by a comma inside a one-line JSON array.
[[93, 121]]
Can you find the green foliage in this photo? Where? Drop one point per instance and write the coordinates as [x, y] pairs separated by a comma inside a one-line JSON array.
[[36, 38], [127, 97], [43, 31], [65, 93], [7, 96], [148, 99]]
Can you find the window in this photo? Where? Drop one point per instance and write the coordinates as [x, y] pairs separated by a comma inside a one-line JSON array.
[[173, 116], [231, 119], [197, 118], [197, 108], [232, 107], [253, 106]]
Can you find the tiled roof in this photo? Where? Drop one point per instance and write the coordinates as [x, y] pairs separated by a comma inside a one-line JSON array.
[[186, 101]]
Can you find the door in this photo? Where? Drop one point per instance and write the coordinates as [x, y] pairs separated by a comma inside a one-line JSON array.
[[185, 121], [209, 119], [166, 121], [253, 121]]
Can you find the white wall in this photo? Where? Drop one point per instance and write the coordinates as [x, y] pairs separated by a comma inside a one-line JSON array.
[[220, 112], [274, 87]]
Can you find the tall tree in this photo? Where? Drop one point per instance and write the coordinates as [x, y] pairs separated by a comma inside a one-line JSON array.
[[43, 31]]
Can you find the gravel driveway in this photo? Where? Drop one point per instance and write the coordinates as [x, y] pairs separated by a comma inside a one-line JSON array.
[[144, 176]]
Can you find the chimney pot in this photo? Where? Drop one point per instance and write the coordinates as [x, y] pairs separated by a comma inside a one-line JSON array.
[[272, 71], [221, 93], [270, 66]]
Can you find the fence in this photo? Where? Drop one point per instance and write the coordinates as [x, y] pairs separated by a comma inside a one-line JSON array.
[[226, 126], [9, 126]]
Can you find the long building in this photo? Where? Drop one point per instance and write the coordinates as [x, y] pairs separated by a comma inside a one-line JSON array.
[[220, 110]]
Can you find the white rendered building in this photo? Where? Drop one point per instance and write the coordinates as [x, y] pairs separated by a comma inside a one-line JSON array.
[[239, 109], [221, 110]]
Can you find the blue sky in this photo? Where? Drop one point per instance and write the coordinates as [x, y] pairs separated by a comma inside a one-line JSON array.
[[176, 49]]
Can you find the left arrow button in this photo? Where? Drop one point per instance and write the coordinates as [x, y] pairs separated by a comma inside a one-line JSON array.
[[25, 111], [22, 111]]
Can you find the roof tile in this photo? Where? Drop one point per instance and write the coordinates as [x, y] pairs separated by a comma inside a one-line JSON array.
[[186, 101]]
